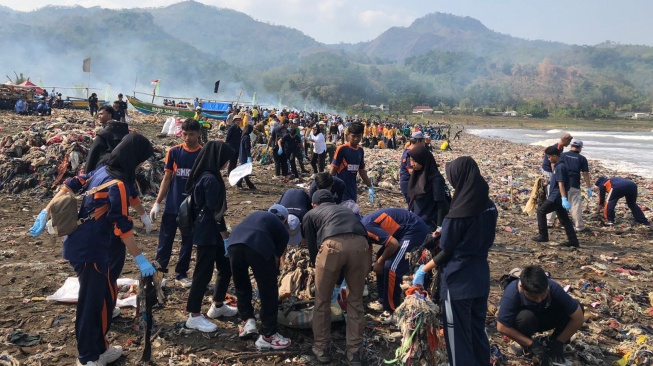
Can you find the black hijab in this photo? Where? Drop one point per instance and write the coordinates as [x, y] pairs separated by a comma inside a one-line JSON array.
[[212, 157], [421, 181], [130, 152], [247, 130], [470, 197]]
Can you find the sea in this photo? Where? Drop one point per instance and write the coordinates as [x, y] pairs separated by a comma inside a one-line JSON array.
[[626, 152]]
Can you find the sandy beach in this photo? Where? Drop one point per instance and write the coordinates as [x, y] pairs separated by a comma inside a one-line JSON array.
[[611, 273]]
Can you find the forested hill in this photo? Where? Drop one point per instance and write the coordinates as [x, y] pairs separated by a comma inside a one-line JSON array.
[[439, 60]]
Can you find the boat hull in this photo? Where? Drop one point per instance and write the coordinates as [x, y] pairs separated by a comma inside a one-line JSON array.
[[151, 108]]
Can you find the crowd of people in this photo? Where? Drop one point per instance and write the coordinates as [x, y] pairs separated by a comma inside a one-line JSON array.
[[326, 220]]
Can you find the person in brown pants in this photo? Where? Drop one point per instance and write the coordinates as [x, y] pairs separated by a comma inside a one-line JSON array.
[[337, 243]]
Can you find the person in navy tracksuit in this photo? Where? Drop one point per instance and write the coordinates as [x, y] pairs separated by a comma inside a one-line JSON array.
[[398, 231], [611, 190], [87, 248], [468, 232]]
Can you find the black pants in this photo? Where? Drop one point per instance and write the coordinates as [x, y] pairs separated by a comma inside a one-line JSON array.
[[318, 161], [265, 272], [93, 109], [563, 216], [292, 156], [554, 317], [167, 233], [209, 256], [249, 183], [280, 162], [233, 163], [464, 330]]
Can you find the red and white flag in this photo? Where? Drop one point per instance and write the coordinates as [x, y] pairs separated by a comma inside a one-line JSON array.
[[154, 82]]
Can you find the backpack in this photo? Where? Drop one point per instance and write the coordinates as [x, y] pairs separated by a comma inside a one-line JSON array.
[[64, 210], [186, 216]]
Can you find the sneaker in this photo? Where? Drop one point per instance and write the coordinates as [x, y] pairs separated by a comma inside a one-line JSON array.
[[275, 341], [116, 312], [540, 239], [375, 305], [609, 223], [224, 310], [90, 363], [110, 355], [387, 318], [516, 349], [185, 282], [247, 327], [570, 244], [366, 292], [584, 230], [355, 359], [200, 323], [322, 355]]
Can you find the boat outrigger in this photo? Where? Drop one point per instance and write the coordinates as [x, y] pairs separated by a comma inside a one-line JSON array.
[[213, 110]]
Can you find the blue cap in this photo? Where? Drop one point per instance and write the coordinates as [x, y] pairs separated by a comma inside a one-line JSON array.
[[280, 211]]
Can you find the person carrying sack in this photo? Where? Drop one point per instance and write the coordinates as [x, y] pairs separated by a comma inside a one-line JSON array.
[[87, 247]]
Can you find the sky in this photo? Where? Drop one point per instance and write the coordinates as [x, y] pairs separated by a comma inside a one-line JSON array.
[[332, 21]]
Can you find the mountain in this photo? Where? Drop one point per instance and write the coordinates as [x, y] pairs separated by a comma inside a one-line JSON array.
[[440, 59]]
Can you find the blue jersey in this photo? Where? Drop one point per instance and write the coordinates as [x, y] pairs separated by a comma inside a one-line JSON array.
[[179, 162], [348, 162], [576, 164], [404, 165], [296, 201], [263, 232], [546, 165], [337, 189], [395, 223], [560, 174]]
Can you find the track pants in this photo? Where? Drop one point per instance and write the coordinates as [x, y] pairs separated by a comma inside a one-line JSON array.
[[563, 216], [280, 162], [464, 330], [631, 201], [348, 254], [318, 161], [209, 257], [167, 234], [94, 307]]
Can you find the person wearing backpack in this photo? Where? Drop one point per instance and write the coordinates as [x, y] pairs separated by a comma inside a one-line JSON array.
[[178, 164], [209, 197], [87, 247]]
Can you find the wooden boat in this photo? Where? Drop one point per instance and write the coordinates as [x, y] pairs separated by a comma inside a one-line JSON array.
[[80, 103], [209, 109]]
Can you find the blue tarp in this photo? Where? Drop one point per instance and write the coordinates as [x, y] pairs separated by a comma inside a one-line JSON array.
[[215, 107]]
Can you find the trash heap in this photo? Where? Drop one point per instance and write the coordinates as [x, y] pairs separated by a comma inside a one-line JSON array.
[[50, 150]]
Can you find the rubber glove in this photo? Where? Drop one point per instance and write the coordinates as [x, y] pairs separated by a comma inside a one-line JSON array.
[[144, 265], [556, 349], [147, 223], [280, 150], [589, 193], [154, 213], [334, 295], [39, 223], [538, 350], [226, 245], [418, 278], [565, 203], [371, 194], [249, 159]]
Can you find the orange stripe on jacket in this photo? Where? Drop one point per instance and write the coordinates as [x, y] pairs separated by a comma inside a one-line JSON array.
[[123, 198], [387, 223], [105, 312], [608, 191]]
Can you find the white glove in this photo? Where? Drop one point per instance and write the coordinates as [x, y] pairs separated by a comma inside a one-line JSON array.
[[147, 223], [154, 213]]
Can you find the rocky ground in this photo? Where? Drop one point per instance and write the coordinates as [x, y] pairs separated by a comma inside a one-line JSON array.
[[610, 274]]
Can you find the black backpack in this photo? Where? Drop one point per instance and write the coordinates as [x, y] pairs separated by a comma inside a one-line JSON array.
[[186, 217]]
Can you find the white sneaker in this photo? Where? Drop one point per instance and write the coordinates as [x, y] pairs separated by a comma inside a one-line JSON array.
[[200, 323], [185, 282], [366, 292], [116, 312], [111, 354], [224, 310], [276, 341], [90, 363], [247, 327], [387, 318]]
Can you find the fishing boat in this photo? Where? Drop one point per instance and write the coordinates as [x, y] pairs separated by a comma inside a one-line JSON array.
[[80, 103], [213, 110]]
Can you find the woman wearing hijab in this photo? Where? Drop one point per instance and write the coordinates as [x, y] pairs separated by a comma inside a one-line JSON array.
[[467, 234], [87, 248], [210, 234], [245, 155], [426, 188], [318, 159]]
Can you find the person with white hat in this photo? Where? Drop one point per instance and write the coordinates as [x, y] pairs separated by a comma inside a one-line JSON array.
[[577, 166]]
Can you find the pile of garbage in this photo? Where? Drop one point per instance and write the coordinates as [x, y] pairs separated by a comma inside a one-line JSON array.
[[50, 150]]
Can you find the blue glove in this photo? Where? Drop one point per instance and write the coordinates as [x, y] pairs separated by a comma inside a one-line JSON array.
[[146, 268], [280, 151], [226, 244], [565, 203], [249, 159], [334, 295], [589, 192], [39, 223], [371, 194], [418, 278]]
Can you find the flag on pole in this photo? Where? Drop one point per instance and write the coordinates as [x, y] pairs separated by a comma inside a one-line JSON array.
[[217, 85], [157, 83], [254, 99], [86, 66], [106, 93]]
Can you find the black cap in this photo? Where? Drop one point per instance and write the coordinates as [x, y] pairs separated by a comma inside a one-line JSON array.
[[321, 196]]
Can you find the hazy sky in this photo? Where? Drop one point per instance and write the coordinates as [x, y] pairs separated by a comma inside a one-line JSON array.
[[333, 21]]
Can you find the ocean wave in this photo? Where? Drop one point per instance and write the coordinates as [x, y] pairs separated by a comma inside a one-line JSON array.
[[547, 142], [635, 138], [628, 168], [554, 131]]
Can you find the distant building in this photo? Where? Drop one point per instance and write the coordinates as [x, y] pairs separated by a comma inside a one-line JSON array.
[[423, 109], [641, 115], [510, 114]]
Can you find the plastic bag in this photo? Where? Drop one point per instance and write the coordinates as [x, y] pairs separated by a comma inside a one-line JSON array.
[[166, 125], [239, 173]]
